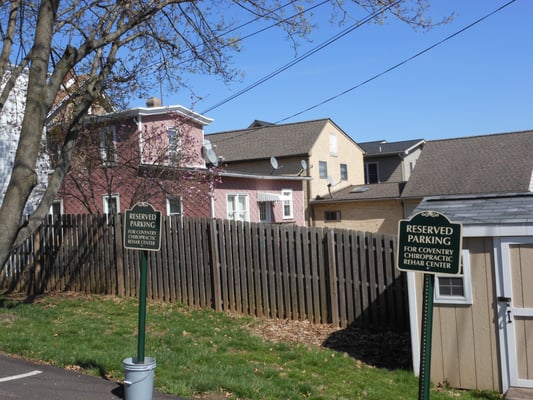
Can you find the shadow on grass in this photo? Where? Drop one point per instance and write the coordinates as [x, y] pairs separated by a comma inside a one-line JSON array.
[[390, 350]]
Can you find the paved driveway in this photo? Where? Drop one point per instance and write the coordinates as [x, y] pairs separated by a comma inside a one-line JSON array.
[[21, 379]]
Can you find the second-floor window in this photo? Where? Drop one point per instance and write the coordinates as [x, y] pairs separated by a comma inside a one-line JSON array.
[[237, 205], [173, 144], [323, 169], [288, 211], [371, 173], [108, 145], [344, 172]]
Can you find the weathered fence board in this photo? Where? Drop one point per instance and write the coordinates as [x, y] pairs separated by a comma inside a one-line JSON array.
[[274, 271]]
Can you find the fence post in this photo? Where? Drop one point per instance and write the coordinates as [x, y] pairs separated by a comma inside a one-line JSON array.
[[119, 254], [332, 273], [215, 264]]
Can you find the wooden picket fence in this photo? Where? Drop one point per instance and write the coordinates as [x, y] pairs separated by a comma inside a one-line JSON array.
[[333, 276]]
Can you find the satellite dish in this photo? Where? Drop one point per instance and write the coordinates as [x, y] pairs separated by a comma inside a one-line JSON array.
[[303, 163], [274, 162], [209, 155]]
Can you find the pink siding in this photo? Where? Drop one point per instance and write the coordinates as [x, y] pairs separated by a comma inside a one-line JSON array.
[[252, 187], [88, 181]]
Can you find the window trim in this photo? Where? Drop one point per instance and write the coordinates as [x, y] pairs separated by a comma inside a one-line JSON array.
[[246, 211], [466, 276], [343, 169], [287, 200], [105, 198], [333, 145], [174, 143], [180, 200], [336, 213], [323, 167]]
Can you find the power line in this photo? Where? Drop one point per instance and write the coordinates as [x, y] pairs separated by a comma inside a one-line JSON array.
[[405, 61], [303, 56]]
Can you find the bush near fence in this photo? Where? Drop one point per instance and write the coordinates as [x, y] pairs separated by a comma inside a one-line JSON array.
[[336, 276]]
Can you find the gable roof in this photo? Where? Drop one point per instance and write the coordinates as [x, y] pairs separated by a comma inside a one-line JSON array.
[[262, 141], [499, 163], [382, 147]]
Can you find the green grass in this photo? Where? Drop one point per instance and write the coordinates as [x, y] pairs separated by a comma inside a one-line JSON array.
[[197, 352]]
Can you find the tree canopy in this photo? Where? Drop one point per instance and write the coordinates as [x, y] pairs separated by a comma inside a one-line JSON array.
[[115, 49]]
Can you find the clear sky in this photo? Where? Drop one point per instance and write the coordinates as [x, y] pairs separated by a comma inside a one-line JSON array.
[[477, 82]]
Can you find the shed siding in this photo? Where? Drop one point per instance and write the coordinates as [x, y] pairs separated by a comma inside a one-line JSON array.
[[464, 344]]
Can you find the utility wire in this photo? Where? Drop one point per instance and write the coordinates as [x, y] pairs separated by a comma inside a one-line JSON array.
[[303, 56], [399, 64]]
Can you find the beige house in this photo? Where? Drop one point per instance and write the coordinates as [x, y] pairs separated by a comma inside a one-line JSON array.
[[375, 206], [482, 318], [369, 208], [318, 150]]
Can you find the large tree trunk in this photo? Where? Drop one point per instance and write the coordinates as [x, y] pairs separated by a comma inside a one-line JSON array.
[[23, 176]]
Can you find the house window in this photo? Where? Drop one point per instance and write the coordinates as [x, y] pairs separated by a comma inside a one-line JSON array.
[[455, 289], [238, 209], [372, 173], [323, 169], [333, 150], [287, 203], [108, 145], [265, 211], [112, 204], [56, 209], [173, 144], [174, 205], [332, 216], [344, 172]]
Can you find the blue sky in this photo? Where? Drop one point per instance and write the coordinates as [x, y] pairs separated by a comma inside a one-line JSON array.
[[478, 82]]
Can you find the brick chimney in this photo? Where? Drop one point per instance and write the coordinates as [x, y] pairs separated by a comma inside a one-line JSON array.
[[153, 102]]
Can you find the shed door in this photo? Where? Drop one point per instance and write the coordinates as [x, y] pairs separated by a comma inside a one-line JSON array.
[[515, 306]]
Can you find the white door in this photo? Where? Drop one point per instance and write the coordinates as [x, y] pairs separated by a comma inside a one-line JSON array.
[[515, 309]]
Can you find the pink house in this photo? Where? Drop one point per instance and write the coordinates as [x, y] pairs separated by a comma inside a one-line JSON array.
[[158, 154]]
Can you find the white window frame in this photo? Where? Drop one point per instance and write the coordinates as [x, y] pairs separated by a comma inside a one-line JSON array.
[[174, 143], [237, 214], [344, 174], [171, 199], [323, 169], [105, 200], [287, 203], [108, 145], [333, 144], [55, 203], [466, 277]]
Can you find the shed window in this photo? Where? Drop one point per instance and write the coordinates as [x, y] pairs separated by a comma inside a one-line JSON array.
[[455, 289]]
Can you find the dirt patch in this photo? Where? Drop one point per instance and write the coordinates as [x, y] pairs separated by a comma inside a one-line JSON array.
[[388, 350]]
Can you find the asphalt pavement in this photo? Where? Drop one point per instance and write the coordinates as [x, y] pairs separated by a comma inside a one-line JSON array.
[[22, 379]]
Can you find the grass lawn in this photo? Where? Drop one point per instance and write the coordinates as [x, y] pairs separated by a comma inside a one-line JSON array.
[[198, 352]]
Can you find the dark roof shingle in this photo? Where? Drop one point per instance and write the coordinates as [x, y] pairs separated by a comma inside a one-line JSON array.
[[266, 141], [499, 163]]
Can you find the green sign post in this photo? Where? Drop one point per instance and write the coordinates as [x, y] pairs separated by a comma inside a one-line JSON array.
[[142, 231], [431, 244]]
